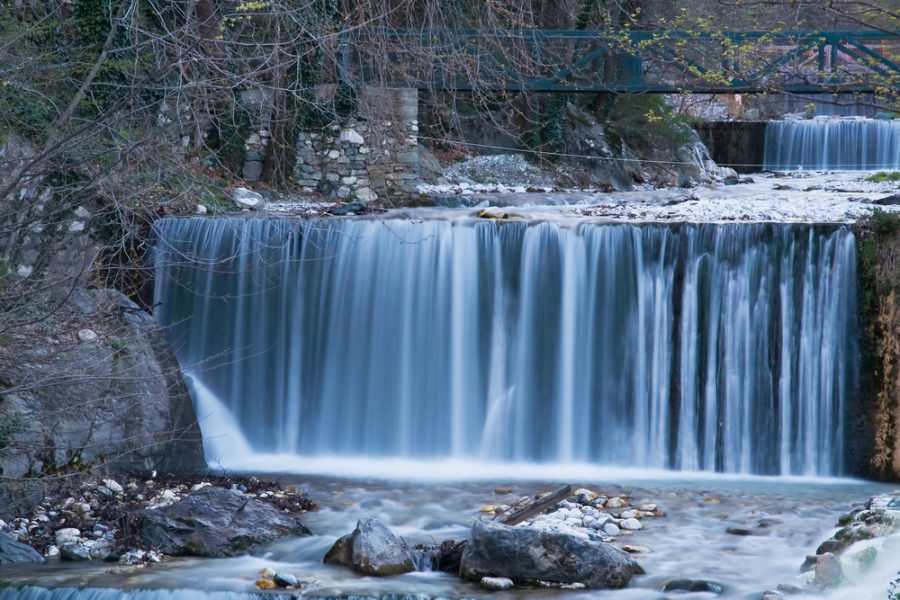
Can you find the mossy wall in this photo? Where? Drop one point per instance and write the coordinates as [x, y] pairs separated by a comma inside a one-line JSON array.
[[874, 426]]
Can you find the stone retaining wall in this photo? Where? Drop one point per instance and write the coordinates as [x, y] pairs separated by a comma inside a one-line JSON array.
[[374, 154]]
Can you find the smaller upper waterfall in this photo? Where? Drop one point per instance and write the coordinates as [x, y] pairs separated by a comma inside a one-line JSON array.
[[839, 144]]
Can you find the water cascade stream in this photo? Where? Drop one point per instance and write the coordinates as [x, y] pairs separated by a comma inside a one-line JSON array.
[[693, 347], [825, 144]]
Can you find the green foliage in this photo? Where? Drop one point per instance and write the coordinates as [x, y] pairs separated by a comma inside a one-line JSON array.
[[547, 132], [118, 345], [11, 425], [646, 122], [884, 223], [884, 177]]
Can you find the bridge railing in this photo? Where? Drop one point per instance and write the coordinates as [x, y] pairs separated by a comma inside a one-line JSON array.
[[627, 61]]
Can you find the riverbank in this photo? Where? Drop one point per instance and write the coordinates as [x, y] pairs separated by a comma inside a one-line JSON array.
[[746, 535]]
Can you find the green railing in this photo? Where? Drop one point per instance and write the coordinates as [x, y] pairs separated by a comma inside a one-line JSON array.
[[545, 60]]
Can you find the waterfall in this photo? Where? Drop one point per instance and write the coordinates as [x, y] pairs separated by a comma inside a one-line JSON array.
[[826, 144], [696, 347]]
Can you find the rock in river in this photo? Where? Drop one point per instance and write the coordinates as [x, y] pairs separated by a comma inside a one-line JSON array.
[[528, 556], [371, 549], [214, 522], [12, 551]]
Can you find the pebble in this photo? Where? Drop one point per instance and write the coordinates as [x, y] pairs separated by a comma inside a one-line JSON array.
[[265, 584], [648, 507], [636, 549], [200, 486], [112, 485], [52, 552], [87, 335], [631, 524], [615, 503], [496, 584], [67, 535], [74, 552], [487, 508], [286, 580], [266, 573], [611, 529], [133, 557], [629, 514], [503, 490], [589, 494]]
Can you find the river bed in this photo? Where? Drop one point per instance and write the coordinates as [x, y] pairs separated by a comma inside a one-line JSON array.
[[689, 542]]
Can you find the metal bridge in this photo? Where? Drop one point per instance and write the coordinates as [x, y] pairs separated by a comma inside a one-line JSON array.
[[542, 60]]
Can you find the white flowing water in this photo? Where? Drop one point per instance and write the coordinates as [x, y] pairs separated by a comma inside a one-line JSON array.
[[690, 542], [691, 347], [832, 144]]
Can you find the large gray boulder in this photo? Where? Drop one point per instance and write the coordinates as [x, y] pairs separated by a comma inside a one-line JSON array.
[[112, 400], [528, 555], [214, 522], [13, 551], [371, 549]]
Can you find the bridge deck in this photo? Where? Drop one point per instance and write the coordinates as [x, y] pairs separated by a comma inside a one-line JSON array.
[[540, 60]]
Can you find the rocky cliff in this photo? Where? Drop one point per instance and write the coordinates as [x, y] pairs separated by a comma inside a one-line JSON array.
[[874, 437], [93, 385]]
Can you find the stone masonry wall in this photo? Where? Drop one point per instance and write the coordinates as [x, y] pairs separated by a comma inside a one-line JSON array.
[[373, 155]]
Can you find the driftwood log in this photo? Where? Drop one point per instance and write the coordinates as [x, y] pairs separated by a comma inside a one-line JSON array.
[[537, 507]]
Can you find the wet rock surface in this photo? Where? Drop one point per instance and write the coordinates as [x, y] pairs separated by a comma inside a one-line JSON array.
[[100, 518], [13, 551], [529, 556], [214, 522], [371, 549]]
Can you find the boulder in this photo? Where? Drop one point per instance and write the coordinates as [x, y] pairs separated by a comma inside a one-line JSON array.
[[13, 551], [496, 584], [827, 570], [75, 552], [528, 556], [371, 549], [248, 199], [214, 522], [134, 411]]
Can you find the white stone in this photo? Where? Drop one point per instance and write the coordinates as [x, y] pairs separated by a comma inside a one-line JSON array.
[[496, 583], [333, 154], [363, 150], [611, 529], [649, 507], [113, 486], [87, 335], [82, 213], [52, 552], [366, 195], [200, 486], [81, 508], [631, 524], [629, 514], [351, 136], [615, 503], [343, 191], [24, 271], [202, 210], [168, 495], [348, 180], [247, 199], [76, 226], [67, 535]]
